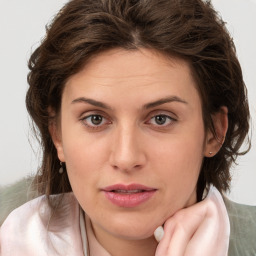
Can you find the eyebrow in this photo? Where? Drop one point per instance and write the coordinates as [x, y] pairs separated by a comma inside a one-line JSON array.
[[91, 102], [163, 101], [146, 106]]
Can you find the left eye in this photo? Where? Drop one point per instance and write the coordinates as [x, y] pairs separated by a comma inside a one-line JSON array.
[[162, 120]]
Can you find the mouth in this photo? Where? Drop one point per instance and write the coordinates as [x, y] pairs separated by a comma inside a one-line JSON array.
[[128, 196], [121, 191]]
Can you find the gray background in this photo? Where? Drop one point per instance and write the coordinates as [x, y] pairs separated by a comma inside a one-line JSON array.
[[22, 25]]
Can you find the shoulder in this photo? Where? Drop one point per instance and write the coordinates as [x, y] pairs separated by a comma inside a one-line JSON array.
[[14, 195], [242, 228], [35, 228], [21, 223]]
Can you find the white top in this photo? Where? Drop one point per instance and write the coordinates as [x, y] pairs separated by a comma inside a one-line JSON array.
[[34, 229]]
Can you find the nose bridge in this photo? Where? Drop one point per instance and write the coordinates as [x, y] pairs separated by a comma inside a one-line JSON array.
[[127, 152]]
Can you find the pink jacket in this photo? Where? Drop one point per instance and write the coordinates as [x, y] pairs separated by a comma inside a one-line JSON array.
[[41, 232]]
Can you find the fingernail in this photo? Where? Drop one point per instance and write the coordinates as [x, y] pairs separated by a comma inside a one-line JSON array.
[[159, 233]]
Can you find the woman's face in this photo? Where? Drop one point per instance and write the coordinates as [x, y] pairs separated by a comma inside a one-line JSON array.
[[133, 139]]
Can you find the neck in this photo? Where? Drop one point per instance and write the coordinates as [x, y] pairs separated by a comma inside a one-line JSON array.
[[117, 246]]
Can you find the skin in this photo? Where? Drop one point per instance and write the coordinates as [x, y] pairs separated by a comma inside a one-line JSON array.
[[201, 229], [128, 145]]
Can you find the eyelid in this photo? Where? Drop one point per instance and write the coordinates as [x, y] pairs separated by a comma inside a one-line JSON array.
[[90, 112], [159, 112]]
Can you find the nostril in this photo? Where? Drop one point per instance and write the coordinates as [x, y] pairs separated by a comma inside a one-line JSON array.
[[116, 167]]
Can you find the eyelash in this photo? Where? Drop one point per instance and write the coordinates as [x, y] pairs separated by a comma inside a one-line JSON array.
[[106, 121]]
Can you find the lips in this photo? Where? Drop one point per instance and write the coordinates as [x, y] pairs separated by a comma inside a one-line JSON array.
[[128, 195]]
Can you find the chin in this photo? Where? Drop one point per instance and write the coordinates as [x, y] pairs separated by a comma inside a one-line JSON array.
[[134, 234], [133, 230]]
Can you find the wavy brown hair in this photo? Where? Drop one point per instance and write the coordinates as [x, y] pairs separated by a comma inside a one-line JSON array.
[[188, 29]]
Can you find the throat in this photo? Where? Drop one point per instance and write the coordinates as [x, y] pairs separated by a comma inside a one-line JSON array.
[[105, 244]]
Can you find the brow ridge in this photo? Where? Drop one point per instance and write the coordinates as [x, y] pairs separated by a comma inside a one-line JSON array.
[[153, 104], [163, 101], [91, 102]]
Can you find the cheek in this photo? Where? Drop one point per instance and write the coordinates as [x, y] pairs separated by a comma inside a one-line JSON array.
[[179, 168], [80, 148], [179, 163], [183, 152], [85, 158]]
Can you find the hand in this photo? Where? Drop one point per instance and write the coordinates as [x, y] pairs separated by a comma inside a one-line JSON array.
[[199, 230]]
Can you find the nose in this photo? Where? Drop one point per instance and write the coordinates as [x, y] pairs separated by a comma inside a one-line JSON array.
[[128, 152]]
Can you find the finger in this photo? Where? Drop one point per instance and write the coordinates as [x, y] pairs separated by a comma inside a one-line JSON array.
[[198, 225], [180, 228], [206, 234], [187, 222], [214, 231], [163, 245]]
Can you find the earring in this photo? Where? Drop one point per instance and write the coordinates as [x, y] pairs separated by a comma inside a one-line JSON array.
[[210, 153], [61, 168]]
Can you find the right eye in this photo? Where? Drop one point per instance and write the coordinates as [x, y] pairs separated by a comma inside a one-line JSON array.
[[95, 121]]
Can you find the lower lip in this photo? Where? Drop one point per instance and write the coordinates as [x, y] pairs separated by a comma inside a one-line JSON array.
[[129, 200]]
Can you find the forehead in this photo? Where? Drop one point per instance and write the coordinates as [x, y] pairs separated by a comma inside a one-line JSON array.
[[143, 71]]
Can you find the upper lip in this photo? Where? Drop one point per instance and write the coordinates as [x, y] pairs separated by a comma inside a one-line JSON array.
[[129, 187]]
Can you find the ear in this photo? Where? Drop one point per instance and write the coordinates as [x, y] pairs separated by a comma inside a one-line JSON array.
[[215, 141], [55, 132]]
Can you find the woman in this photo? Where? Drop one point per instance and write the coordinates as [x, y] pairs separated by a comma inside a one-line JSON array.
[[141, 109]]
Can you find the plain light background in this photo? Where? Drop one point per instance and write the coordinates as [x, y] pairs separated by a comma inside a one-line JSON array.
[[22, 25]]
